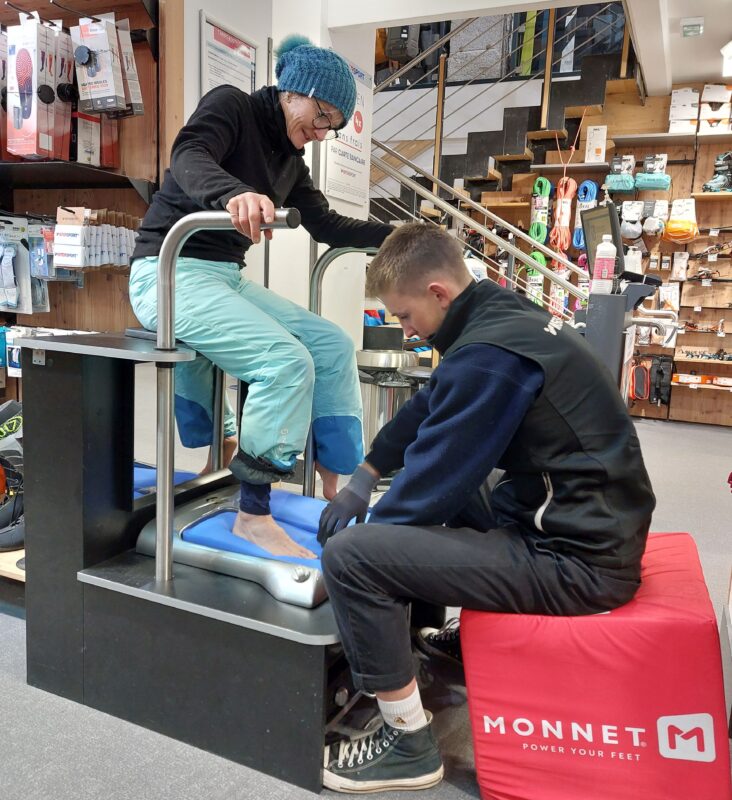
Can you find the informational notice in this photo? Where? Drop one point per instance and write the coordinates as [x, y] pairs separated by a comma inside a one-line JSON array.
[[226, 57], [346, 176]]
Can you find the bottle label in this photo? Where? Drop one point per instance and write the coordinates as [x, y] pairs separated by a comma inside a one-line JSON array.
[[603, 268]]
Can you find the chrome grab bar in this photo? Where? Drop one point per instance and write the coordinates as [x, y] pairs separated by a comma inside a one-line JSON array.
[[315, 304], [173, 243]]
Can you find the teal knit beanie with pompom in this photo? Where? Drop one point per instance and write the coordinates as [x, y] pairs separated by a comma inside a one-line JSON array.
[[315, 72]]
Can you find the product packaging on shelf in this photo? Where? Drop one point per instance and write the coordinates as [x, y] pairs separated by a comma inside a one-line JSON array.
[[72, 238], [86, 138], [716, 93], [98, 70], [15, 278], [131, 80], [596, 144], [66, 92], [30, 96], [4, 155]]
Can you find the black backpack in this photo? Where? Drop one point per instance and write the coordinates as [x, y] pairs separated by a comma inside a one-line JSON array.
[[402, 44]]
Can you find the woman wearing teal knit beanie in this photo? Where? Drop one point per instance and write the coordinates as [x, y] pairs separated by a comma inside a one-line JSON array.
[[243, 153]]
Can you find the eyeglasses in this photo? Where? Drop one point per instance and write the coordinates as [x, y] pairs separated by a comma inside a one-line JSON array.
[[323, 123]]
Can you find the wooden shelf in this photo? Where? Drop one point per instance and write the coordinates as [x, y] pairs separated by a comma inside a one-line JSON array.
[[714, 138], [8, 568], [560, 133], [710, 196], [68, 175], [507, 204], [630, 139], [141, 13], [602, 166], [711, 362], [697, 386]]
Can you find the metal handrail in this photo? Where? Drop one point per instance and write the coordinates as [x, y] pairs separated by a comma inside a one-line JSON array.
[[515, 280], [547, 251], [173, 243], [421, 56], [315, 304], [486, 232]]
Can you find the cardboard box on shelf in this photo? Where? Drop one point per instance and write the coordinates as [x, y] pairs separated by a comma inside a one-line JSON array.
[[30, 95], [596, 144], [86, 138], [714, 126], [682, 126], [716, 93], [63, 69], [98, 70], [131, 80], [721, 111]]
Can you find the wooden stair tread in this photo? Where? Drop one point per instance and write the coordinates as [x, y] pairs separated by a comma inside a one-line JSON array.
[[527, 155], [575, 112], [410, 149], [493, 175], [621, 86], [560, 133]]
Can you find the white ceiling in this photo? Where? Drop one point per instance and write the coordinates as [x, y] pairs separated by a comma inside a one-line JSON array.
[[668, 58]]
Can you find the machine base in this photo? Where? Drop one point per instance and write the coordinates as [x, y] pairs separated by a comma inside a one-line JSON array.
[[294, 583]]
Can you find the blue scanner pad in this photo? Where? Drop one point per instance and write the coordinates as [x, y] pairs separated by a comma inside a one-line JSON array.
[[299, 516], [144, 476]]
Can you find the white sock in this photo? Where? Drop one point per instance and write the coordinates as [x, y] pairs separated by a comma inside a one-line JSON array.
[[405, 715]]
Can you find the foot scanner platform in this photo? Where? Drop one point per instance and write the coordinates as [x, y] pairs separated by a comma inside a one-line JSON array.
[[202, 537]]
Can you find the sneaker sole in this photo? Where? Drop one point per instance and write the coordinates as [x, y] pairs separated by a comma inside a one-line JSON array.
[[338, 783], [425, 647]]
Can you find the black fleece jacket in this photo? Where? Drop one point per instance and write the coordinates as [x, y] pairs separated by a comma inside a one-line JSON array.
[[235, 143]]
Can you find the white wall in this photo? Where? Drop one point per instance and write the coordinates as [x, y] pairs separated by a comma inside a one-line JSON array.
[[251, 19], [384, 13], [343, 287]]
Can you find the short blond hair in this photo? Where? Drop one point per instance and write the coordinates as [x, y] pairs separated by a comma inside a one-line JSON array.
[[410, 254]]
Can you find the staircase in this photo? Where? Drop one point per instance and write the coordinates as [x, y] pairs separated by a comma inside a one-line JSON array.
[[496, 165]]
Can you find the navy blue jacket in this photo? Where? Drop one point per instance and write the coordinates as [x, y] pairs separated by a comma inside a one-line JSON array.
[[452, 433]]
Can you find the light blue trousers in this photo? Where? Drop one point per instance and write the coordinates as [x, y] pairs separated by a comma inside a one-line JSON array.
[[299, 366]]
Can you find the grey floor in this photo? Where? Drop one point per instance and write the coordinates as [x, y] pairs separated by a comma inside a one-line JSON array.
[[52, 748]]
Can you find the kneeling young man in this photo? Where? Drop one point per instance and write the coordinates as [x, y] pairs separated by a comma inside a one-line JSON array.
[[561, 532]]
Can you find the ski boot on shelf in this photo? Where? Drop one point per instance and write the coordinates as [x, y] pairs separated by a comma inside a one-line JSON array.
[[721, 181]]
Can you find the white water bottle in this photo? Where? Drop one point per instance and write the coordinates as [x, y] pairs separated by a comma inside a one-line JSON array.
[[604, 267]]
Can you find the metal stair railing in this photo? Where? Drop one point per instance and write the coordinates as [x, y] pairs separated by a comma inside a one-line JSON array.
[[428, 195], [488, 234], [539, 74]]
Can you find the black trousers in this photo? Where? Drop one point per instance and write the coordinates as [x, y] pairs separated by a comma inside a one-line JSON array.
[[373, 571]]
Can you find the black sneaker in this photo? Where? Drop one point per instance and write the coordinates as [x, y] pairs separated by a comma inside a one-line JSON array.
[[444, 642], [388, 759]]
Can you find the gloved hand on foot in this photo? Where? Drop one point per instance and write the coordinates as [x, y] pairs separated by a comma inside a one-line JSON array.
[[352, 501]]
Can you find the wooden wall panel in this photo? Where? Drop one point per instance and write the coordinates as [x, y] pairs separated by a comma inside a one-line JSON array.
[[171, 77], [138, 136]]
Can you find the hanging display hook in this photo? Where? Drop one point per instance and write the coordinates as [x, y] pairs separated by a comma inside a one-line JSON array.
[[18, 9], [79, 14]]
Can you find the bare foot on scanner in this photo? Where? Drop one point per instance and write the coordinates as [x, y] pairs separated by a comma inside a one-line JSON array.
[[263, 531], [330, 481]]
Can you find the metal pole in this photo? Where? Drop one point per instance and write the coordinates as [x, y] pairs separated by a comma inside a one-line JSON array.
[[315, 305], [439, 118], [547, 88], [171, 247], [217, 444]]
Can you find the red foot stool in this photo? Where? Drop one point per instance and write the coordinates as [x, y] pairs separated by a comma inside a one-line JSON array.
[[615, 706]]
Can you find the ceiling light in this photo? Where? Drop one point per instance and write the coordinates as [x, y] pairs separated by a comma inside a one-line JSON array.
[[692, 26]]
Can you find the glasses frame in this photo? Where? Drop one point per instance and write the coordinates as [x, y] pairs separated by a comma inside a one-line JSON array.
[[332, 133]]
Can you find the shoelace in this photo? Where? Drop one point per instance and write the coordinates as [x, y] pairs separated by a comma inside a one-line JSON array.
[[359, 750], [449, 631]]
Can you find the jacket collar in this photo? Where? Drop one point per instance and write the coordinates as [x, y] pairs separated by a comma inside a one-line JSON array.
[[456, 317], [271, 119]]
